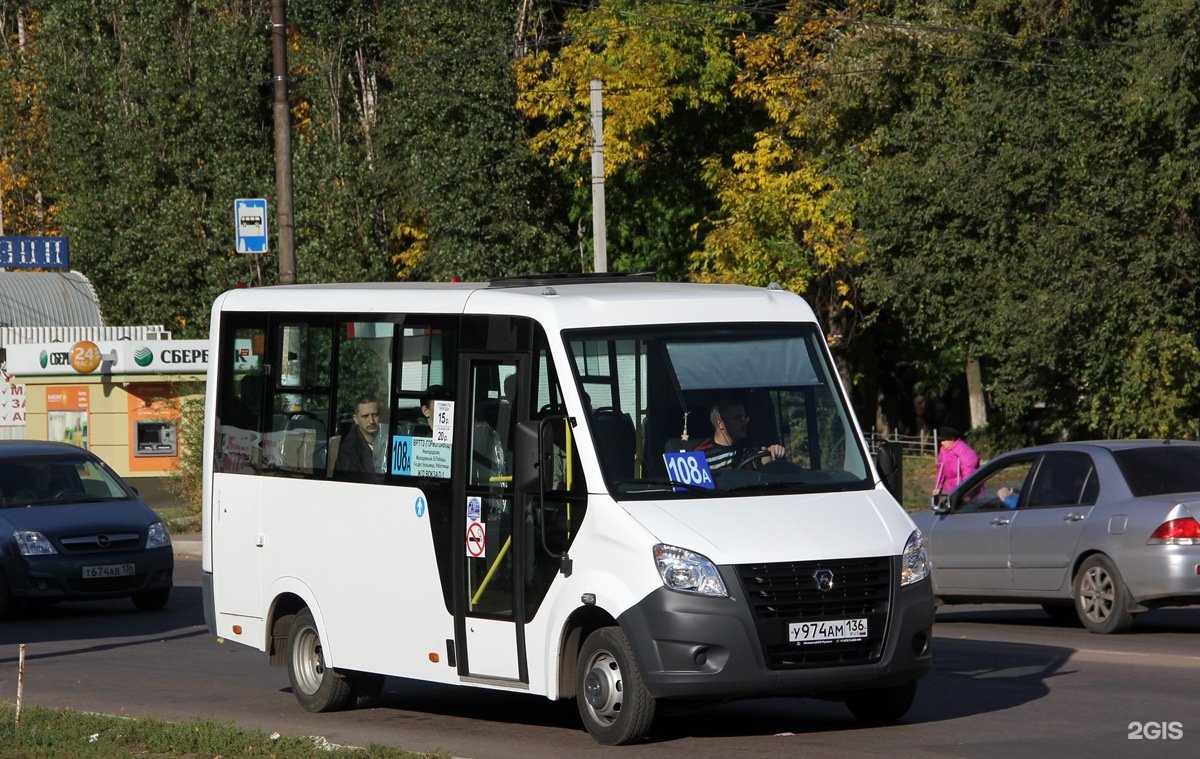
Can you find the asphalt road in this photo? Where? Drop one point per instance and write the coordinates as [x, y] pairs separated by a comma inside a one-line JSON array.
[[1007, 681]]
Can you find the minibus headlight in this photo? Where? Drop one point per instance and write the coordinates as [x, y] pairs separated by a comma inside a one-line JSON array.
[[914, 562], [688, 572], [157, 536], [33, 543]]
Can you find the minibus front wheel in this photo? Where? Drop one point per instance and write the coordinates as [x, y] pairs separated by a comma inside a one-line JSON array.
[[614, 704]]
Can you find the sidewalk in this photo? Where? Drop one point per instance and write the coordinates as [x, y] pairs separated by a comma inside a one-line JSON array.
[[186, 545]]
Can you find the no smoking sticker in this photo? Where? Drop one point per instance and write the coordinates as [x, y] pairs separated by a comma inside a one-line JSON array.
[[476, 540]]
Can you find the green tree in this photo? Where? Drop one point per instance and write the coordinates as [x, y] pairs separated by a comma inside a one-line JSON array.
[[157, 123], [783, 216], [26, 201], [1013, 211], [350, 216], [451, 132], [665, 71]]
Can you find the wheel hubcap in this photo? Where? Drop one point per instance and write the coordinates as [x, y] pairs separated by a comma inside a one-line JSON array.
[[602, 687], [309, 665], [1096, 594]]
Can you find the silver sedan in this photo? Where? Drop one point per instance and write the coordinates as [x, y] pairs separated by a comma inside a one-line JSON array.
[[1096, 530]]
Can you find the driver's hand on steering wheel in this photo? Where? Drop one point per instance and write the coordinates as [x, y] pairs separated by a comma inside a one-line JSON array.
[[775, 451]]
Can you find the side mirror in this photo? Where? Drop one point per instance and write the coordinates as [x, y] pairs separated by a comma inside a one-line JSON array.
[[890, 462], [532, 460], [940, 503]]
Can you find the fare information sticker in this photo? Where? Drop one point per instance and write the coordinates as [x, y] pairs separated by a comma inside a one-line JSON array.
[[443, 422]]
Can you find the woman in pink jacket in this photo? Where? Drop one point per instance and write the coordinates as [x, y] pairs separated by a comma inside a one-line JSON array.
[[956, 460]]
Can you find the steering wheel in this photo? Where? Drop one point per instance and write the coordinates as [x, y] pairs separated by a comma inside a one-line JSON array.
[[751, 457], [756, 455]]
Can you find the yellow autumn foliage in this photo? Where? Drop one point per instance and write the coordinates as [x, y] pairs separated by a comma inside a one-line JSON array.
[[649, 64], [24, 205], [783, 217]]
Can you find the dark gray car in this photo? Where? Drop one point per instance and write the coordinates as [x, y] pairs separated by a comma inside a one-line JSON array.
[[72, 530], [1101, 530]]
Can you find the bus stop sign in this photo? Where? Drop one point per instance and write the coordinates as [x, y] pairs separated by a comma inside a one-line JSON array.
[[250, 222]]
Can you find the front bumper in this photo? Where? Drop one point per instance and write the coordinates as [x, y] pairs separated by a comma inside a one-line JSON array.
[[691, 646], [60, 577]]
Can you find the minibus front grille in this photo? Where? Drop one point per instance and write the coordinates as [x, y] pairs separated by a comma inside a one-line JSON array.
[[783, 593]]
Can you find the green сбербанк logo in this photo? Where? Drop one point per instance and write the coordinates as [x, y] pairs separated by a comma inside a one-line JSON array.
[[143, 356]]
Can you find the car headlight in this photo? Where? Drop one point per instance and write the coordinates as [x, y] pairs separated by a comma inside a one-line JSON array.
[[688, 572], [33, 543], [914, 562], [157, 536]]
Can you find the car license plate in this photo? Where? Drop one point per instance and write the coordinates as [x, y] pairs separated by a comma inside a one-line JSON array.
[[107, 570], [827, 631]]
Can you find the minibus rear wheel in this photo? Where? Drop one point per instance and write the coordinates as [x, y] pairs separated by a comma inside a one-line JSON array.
[[318, 688], [614, 704]]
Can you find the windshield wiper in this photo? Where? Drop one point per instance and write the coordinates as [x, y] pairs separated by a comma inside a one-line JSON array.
[[670, 483], [774, 485]]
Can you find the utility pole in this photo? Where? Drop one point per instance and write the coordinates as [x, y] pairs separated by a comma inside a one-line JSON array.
[[599, 244], [283, 145]]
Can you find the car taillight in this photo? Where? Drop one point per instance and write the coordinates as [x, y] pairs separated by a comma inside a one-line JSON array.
[[1178, 532]]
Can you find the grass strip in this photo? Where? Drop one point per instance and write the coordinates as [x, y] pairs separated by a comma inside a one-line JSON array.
[[67, 734]]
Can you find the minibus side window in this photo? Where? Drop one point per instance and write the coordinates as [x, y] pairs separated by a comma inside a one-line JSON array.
[[359, 445], [240, 396], [296, 441]]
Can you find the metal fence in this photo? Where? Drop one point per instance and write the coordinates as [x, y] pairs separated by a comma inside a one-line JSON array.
[[913, 445]]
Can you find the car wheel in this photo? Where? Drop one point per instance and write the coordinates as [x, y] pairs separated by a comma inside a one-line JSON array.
[[318, 688], [613, 701], [1101, 598], [883, 704], [152, 600], [1062, 613]]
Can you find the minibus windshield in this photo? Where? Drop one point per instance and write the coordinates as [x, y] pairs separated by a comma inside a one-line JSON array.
[[694, 411]]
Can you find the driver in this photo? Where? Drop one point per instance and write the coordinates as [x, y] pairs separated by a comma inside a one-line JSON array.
[[727, 447], [38, 485]]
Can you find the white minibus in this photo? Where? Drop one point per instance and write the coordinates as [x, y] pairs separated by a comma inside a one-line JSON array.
[[592, 487]]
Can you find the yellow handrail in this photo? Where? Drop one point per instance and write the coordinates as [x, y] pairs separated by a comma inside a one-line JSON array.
[[491, 571], [487, 579]]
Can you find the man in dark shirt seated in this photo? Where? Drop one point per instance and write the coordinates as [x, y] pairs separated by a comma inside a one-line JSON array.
[[727, 447], [356, 454]]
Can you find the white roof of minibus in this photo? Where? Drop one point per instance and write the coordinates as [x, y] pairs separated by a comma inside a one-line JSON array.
[[556, 305]]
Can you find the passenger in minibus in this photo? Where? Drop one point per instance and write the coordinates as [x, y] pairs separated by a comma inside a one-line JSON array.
[[356, 453], [424, 428], [727, 447]]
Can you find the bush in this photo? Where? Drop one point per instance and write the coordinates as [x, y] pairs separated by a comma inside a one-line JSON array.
[[187, 481], [994, 439]]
